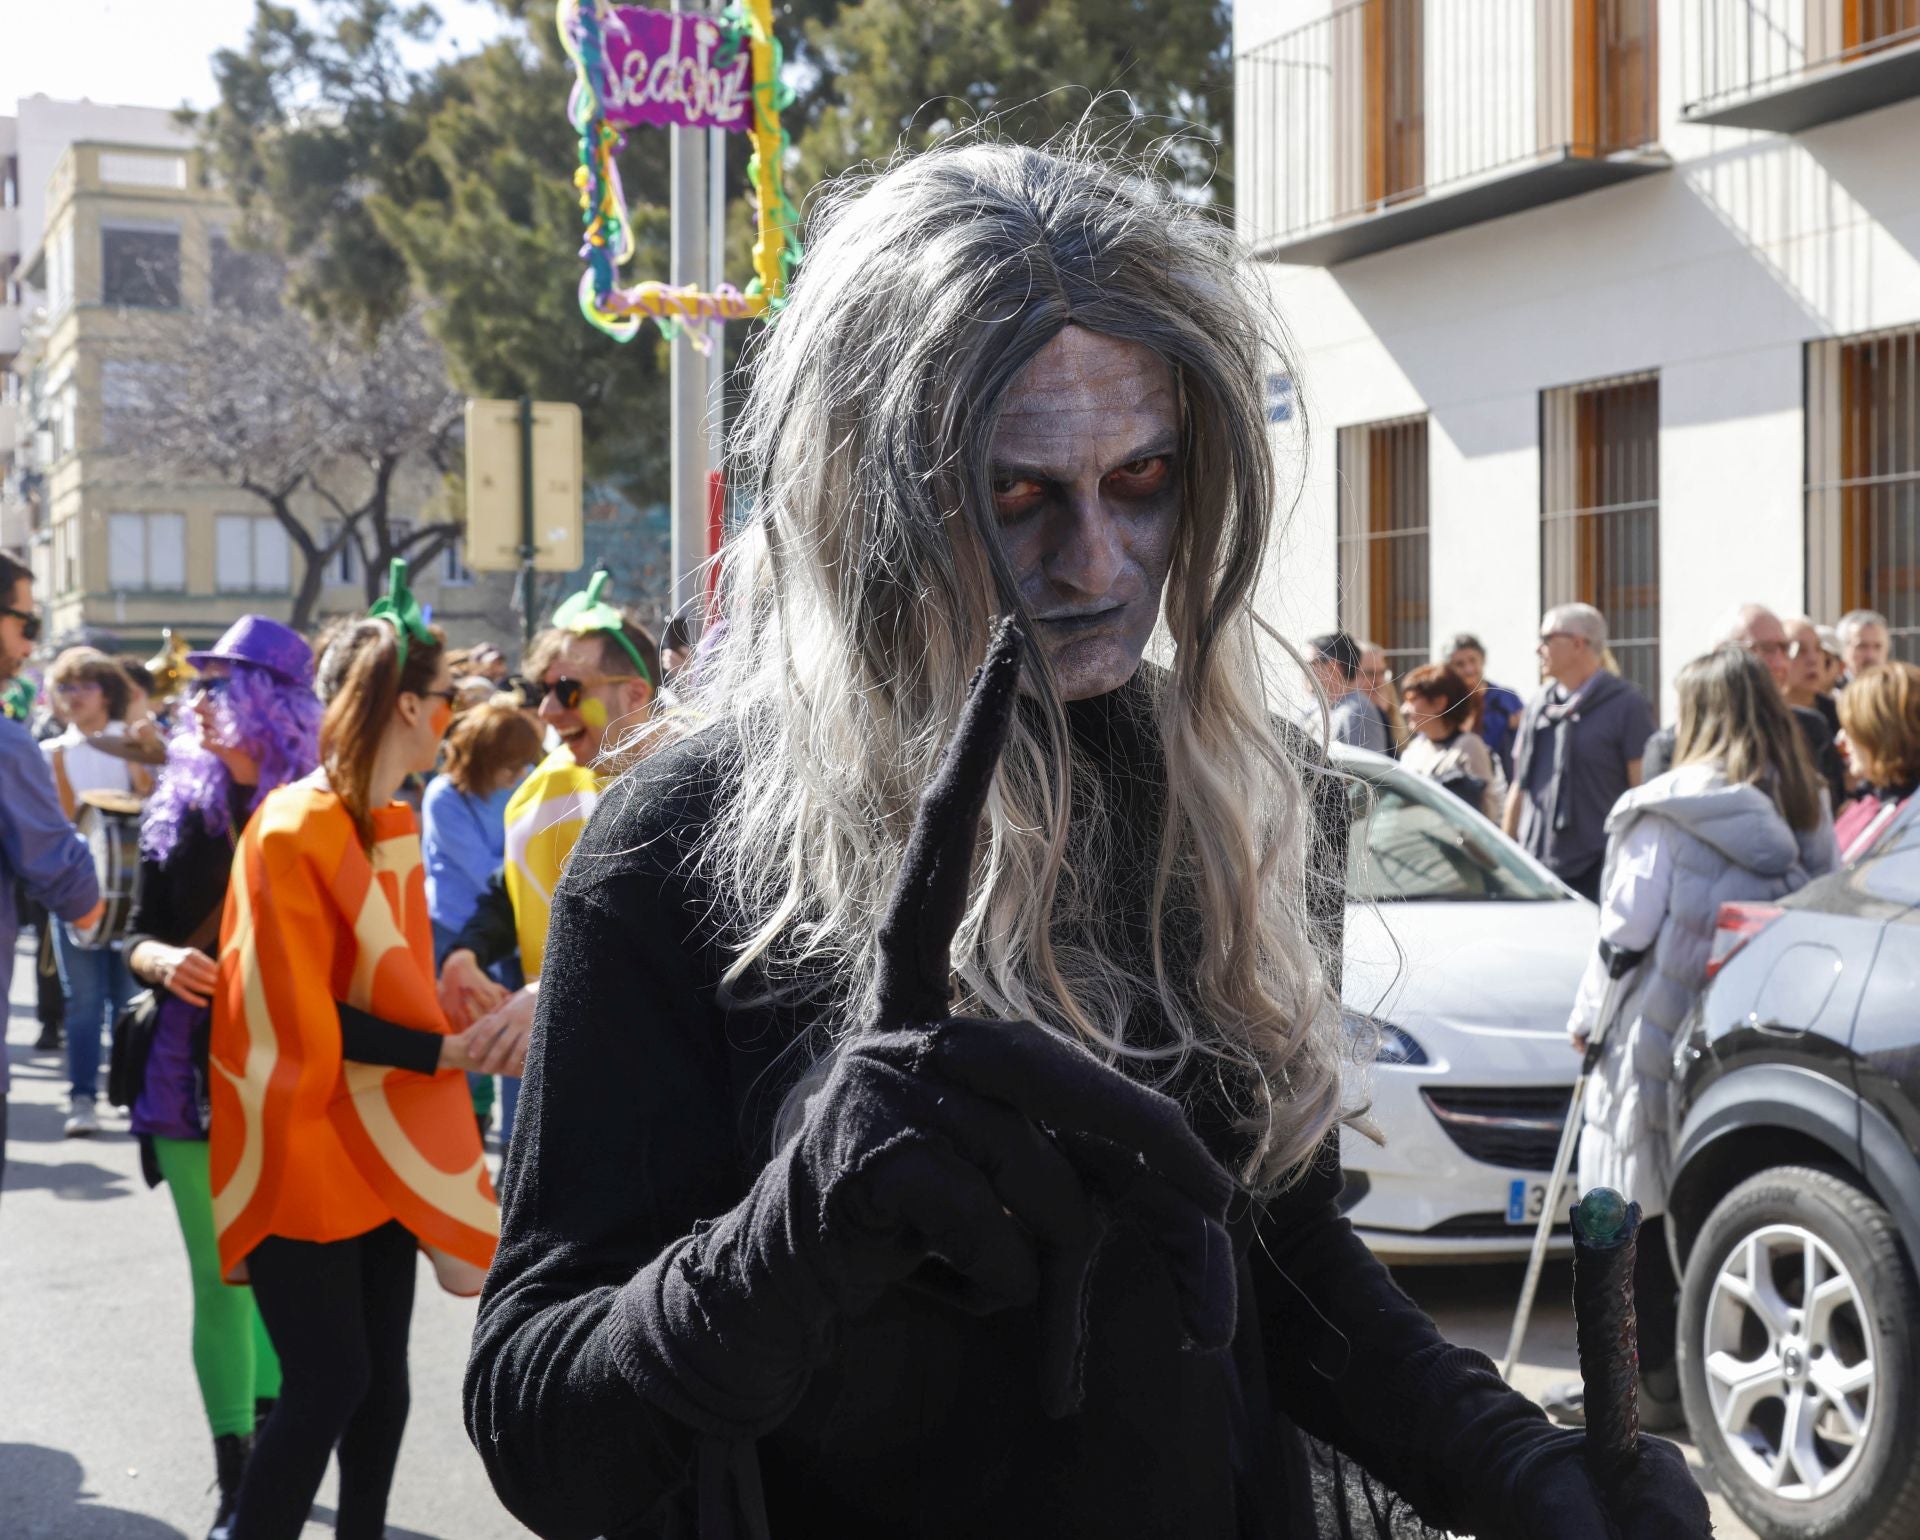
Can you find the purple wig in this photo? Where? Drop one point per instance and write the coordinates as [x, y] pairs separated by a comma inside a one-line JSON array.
[[277, 724]]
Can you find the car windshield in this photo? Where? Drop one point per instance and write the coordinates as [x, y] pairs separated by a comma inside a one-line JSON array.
[[1423, 843]]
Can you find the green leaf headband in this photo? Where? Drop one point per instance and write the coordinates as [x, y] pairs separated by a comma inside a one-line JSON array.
[[401, 610], [585, 613]]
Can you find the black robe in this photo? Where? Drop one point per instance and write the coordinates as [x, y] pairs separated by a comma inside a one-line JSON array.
[[647, 1108]]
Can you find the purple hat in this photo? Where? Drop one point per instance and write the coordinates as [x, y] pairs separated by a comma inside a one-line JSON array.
[[265, 643]]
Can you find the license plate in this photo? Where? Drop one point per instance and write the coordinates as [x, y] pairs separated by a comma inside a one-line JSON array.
[[1526, 1201]]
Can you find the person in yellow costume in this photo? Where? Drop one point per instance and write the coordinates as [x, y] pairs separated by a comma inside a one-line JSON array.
[[597, 671], [340, 1140]]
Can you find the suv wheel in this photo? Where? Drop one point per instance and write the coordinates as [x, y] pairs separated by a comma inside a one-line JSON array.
[[1797, 1363]]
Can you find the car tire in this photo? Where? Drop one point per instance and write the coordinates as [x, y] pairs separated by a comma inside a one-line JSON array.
[[1857, 1478]]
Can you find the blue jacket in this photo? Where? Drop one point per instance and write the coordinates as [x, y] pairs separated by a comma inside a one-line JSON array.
[[463, 840], [38, 848]]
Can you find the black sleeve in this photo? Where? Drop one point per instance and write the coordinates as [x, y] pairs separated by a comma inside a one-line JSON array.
[[152, 916], [623, 1141], [1359, 1365], [369, 1039], [490, 935]]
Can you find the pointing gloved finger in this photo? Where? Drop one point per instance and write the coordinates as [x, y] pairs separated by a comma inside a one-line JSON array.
[[989, 1260], [1064, 1088], [930, 893]]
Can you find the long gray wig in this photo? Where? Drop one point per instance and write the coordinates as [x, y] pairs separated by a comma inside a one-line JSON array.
[[858, 600]]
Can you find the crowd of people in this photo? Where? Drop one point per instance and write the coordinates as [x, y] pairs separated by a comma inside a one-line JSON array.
[[883, 1165], [1795, 746], [282, 844]]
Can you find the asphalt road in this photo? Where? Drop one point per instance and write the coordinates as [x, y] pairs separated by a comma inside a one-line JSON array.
[[101, 1431]]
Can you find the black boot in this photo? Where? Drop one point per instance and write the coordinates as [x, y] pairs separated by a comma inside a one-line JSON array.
[[230, 1451]]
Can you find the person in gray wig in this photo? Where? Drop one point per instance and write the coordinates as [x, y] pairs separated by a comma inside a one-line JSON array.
[[1048, 1242]]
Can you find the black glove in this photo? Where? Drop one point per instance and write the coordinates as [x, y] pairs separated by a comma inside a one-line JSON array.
[[1552, 1495], [978, 1160]]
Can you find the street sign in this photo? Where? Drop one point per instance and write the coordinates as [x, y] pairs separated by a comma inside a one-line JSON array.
[[498, 492]]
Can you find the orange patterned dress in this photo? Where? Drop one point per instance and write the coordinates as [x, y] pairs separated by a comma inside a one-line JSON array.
[[305, 1144]]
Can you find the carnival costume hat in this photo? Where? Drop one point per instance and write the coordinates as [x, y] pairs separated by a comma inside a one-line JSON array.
[[264, 643], [585, 613]]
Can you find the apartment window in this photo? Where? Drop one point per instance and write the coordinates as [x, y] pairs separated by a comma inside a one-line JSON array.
[[344, 568], [1379, 103], [129, 389], [1615, 75], [1869, 25], [147, 552], [453, 569], [62, 400], [60, 270], [66, 557], [140, 265], [1600, 512], [249, 555], [10, 182], [242, 280], [1384, 574], [1863, 479]]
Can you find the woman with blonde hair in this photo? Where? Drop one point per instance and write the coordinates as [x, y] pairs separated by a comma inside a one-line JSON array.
[[872, 1178], [1880, 736], [341, 1138], [1741, 817]]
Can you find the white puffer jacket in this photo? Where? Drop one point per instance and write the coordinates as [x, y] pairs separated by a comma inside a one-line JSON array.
[[1677, 849]]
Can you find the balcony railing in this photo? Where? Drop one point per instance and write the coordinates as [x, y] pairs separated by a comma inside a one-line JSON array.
[[1788, 65], [1387, 121]]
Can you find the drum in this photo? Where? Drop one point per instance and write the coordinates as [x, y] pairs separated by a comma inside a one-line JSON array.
[[109, 823]]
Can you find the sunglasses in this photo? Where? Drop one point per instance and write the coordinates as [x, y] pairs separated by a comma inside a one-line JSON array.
[[207, 689], [569, 691], [29, 621]]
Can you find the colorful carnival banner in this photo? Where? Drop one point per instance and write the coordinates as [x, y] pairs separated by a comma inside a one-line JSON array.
[[679, 69], [675, 69]]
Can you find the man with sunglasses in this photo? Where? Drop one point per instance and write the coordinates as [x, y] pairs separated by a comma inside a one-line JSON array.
[[594, 674], [39, 852]]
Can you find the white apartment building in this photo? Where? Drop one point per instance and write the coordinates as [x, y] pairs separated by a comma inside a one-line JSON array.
[[32, 141], [1608, 300]]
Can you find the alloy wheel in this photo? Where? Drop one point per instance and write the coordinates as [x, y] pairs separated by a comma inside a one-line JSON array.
[[1790, 1356]]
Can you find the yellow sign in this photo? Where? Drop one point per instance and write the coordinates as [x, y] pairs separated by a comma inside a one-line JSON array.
[[496, 491]]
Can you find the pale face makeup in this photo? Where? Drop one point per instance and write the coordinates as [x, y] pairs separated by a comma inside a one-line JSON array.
[[1086, 494]]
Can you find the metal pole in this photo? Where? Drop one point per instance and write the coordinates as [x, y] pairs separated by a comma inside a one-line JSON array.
[[527, 547], [688, 381], [716, 272]]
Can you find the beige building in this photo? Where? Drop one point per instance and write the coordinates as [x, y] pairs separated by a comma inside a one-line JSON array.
[[135, 244]]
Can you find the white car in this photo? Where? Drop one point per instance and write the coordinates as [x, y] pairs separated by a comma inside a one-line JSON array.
[[1465, 954]]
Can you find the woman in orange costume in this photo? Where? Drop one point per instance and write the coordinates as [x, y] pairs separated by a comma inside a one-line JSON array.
[[342, 1139]]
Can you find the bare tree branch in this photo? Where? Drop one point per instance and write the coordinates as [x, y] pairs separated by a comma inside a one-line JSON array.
[[271, 402]]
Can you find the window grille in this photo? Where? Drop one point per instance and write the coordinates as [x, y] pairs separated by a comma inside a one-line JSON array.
[[1385, 576], [1863, 480], [1600, 512]]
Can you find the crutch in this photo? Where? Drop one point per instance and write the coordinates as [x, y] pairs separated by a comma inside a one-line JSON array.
[[1619, 965]]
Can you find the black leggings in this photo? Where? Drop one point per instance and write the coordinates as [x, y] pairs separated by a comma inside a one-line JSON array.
[[339, 1313]]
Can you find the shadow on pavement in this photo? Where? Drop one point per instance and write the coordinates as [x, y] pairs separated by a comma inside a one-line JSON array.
[[74, 1180], [44, 1495]]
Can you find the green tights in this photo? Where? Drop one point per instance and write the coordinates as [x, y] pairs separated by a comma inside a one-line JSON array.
[[232, 1355]]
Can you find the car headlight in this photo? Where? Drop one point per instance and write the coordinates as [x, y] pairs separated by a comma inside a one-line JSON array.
[[1392, 1045]]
